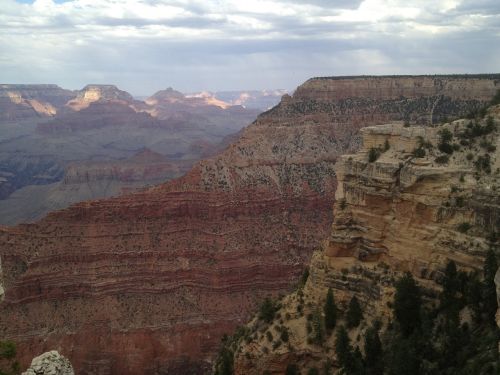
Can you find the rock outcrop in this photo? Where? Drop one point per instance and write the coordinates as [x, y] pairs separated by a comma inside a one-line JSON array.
[[50, 363], [22, 102], [148, 282], [99, 93], [403, 210]]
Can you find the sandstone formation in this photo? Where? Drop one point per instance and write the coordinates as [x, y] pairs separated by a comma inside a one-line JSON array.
[[401, 212], [148, 282], [99, 93], [21, 102], [50, 363]]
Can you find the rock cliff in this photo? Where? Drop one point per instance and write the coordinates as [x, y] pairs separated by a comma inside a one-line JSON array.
[[99, 93], [91, 180], [401, 205], [105, 125], [148, 282], [21, 102]]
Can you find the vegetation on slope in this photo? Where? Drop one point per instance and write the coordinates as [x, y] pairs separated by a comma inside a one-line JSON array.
[[455, 335], [8, 363]]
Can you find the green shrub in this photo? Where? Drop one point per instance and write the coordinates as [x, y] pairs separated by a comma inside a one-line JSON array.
[[267, 310], [443, 159], [445, 136], [483, 163], [269, 336], [446, 148], [463, 227], [419, 152], [373, 154], [284, 334], [7, 350]]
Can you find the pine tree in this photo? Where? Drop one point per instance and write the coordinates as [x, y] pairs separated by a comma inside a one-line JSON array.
[[407, 303], [291, 369], [404, 358], [489, 288], [330, 311], [318, 329], [474, 296], [354, 313], [374, 356], [225, 359], [267, 310], [449, 301], [343, 348]]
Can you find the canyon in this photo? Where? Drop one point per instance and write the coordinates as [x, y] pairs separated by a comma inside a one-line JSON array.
[[406, 211], [99, 124], [149, 282]]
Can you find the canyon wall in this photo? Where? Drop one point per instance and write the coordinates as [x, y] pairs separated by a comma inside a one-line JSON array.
[[101, 125], [149, 282], [403, 212], [20, 102]]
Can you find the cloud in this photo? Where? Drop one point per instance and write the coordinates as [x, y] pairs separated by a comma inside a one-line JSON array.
[[145, 45]]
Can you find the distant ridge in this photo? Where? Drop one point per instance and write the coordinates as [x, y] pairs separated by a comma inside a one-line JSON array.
[[465, 75]]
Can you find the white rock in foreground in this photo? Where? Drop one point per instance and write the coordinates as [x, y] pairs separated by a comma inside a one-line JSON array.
[[50, 363]]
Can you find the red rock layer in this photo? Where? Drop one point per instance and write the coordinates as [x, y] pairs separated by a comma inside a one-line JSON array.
[[147, 283]]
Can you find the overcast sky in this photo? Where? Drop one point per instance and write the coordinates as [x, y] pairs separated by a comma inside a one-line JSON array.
[[146, 45]]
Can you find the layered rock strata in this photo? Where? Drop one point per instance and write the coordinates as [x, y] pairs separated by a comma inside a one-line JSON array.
[[21, 102], [148, 282], [395, 214]]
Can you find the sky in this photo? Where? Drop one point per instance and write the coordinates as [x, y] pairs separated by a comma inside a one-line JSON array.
[[145, 45]]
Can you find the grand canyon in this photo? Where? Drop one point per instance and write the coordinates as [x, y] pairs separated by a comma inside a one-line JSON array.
[[148, 282]]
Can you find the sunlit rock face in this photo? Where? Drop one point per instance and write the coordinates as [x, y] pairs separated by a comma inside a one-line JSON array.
[[149, 282], [393, 214], [22, 102], [94, 93]]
